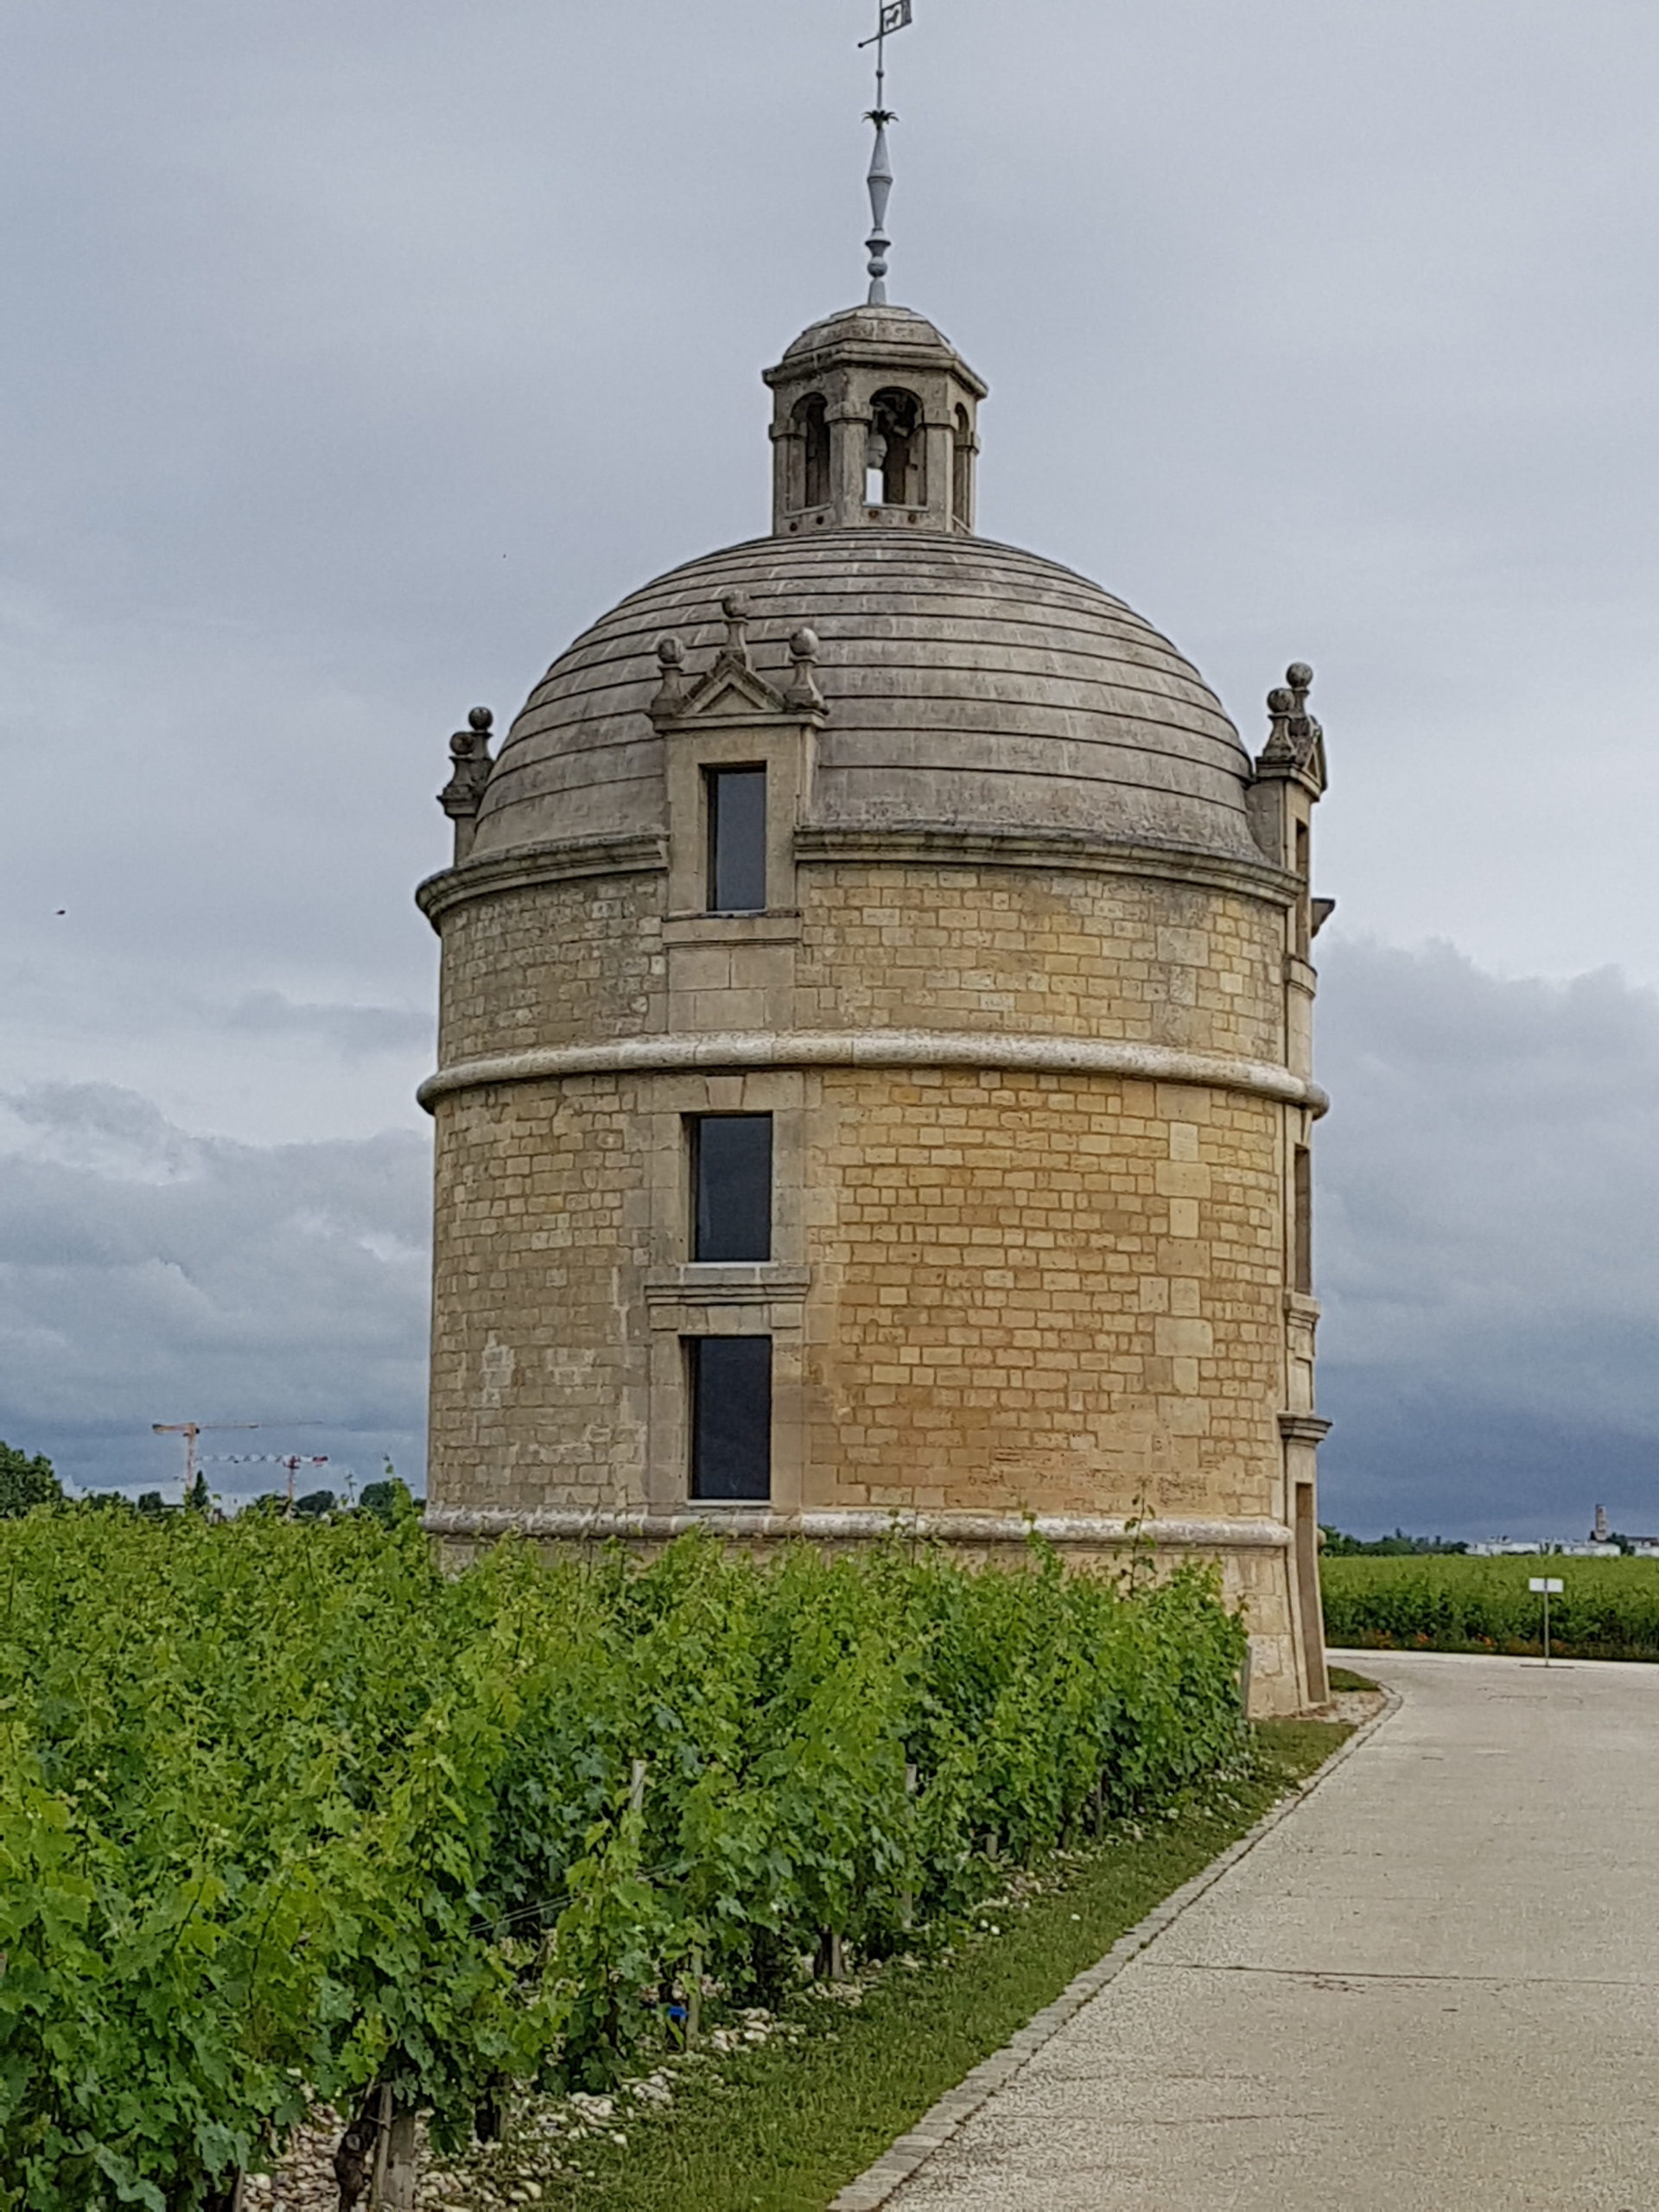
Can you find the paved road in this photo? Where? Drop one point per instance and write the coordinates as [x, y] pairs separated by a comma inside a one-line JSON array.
[[1434, 1989]]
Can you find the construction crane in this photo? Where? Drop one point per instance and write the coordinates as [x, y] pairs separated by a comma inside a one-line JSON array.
[[291, 1460], [190, 1430]]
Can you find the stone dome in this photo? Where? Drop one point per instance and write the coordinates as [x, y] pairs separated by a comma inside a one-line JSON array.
[[971, 686], [896, 332]]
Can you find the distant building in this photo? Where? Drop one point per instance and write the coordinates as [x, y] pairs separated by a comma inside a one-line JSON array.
[[1507, 1548]]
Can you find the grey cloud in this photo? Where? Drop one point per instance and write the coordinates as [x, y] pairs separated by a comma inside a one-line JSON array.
[[1488, 1181], [355, 1031], [148, 1274], [265, 1062]]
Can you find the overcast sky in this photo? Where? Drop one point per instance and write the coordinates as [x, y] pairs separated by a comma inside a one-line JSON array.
[[358, 354]]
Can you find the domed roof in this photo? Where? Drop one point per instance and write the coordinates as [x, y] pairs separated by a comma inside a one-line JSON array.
[[895, 331], [969, 686]]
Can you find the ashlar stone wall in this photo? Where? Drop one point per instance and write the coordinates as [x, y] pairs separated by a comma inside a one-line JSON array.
[[1048, 1292], [992, 1289], [1042, 952]]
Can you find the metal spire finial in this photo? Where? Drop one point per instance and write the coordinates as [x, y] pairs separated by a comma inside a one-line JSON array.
[[891, 16]]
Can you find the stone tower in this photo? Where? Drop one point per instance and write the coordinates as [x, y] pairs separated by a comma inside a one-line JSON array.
[[875, 1049]]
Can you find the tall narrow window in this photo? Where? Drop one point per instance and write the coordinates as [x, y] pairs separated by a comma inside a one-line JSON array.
[[731, 1186], [1304, 923], [730, 1384], [1302, 1200], [737, 840]]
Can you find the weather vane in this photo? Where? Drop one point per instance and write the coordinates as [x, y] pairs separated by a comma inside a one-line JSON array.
[[890, 15]]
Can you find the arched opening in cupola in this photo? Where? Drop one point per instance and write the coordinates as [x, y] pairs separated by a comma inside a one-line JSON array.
[[962, 471], [812, 432], [894, 453]]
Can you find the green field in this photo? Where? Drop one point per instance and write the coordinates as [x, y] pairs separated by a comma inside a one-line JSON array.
[[1609, 1608]]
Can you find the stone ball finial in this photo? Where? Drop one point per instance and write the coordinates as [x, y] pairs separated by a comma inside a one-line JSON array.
[[1298, 675], [804, 694], [735, 608], [470, 764], [672, 690], [1280, 701]]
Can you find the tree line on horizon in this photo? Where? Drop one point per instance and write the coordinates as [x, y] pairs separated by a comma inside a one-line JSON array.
[[27, 1481], [1334, 1544]]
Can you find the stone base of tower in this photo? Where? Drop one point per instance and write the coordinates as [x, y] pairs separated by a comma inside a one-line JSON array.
[[1258, 1560]]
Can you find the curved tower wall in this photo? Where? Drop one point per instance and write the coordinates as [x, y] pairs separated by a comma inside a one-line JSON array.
[[1038, 1096]]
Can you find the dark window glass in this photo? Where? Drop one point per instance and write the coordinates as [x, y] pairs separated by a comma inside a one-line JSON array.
[[731, 1186], [737, 840], [731, 1416]]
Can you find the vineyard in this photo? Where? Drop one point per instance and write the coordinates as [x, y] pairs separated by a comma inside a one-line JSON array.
[[286, 1816], [1609, 1608]]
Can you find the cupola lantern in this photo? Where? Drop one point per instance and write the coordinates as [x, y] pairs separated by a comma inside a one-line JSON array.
[[875, 424]]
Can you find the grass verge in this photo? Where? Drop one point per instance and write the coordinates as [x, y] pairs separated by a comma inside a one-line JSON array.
[[782, 2127], [1345, 1678]]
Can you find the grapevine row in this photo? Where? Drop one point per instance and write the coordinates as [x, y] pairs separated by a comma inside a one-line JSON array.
[[287, 1815]]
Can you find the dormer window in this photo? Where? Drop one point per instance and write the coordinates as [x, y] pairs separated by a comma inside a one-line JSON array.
[[893, 453], [737, 840]]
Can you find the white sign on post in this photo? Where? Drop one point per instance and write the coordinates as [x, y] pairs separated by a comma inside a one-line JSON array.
[[1546, 1587]]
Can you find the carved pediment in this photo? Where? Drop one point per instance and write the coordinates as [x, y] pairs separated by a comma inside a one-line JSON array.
[[733, 689], [730, 688]]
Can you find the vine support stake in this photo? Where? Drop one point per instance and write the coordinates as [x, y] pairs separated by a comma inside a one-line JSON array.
[[636, 1787], [907, 1896], [382, 2141], [402, 2182], [694, 2000]]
